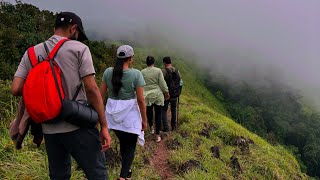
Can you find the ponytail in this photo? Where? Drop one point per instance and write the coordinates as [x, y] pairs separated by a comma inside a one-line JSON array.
[[117, 76]]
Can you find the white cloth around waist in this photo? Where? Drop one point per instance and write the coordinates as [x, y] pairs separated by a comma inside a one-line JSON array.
[[124, 115]]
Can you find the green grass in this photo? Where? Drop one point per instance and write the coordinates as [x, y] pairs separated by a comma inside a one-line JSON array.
[[31, 162], [199, 109], [264, 161]]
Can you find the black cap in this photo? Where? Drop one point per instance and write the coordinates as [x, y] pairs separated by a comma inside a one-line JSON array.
[[71, 18]]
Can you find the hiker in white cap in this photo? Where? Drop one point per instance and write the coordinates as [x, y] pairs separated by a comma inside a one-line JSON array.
[[125, 109]]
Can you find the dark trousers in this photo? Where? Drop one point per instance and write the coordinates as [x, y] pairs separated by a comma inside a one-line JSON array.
[[84, 145], [128, 142], [158, 112], [173, 104]]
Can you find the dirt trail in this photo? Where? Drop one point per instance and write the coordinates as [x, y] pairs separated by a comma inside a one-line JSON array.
[[160, 162], [160, 156]]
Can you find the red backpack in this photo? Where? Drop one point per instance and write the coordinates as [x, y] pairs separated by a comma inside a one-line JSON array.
[[42, 91]]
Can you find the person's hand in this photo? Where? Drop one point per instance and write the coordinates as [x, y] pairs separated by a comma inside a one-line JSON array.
[[144, 125], [166, 96], [105, 139]]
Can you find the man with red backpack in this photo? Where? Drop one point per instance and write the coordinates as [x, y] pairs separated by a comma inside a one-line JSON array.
[[60, 71], [174, 83]]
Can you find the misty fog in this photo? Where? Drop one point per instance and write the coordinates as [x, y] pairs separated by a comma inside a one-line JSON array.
[[276, 39]]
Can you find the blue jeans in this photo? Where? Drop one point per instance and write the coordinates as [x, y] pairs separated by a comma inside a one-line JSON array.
[[173, 103], [84, 145]]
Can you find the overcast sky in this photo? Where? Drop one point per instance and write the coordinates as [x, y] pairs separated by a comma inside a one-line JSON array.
[[233, 36]]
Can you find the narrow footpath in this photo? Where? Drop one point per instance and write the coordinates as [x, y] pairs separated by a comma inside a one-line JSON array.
[[159, 161]]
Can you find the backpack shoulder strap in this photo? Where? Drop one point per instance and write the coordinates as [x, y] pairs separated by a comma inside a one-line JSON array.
[[77, 92], [55, 50], [51, 57], [46, 48], [168, 76], [168, 71], [32, 56]]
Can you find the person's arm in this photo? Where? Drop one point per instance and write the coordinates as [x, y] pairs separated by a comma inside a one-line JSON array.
[[20, 76], [142, 106], [17, 86], [103, 89], [87, 72], [139, 85], [95, 99]]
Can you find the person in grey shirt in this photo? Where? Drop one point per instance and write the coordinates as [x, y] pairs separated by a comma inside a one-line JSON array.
[[173, 100], [63, 139]]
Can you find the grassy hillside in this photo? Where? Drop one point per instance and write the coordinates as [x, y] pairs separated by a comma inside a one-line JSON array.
[[204, 128], [207, 145], [275, 111]]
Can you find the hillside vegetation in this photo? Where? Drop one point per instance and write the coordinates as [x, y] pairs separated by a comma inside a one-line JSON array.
[[207, 145], [277, 113]]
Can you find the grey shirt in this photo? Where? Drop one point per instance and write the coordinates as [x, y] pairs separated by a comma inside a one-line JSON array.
[[75, 61]]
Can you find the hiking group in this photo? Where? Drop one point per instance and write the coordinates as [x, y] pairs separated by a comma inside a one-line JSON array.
[[62, 102]]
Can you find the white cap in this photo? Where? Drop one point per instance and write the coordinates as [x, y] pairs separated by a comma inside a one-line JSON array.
[[125, 50]]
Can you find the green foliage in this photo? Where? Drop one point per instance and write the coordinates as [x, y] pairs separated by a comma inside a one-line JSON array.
[[21, 26], [274, 111], [102, 54], [8, 103]]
